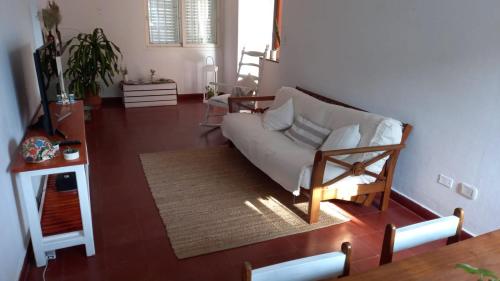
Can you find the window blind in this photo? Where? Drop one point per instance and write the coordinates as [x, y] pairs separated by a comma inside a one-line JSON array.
[[163, 17], [200, 21]]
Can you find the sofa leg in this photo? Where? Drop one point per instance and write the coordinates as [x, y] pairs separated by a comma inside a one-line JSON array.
[[369, 200], [384, 201], [314, 205]]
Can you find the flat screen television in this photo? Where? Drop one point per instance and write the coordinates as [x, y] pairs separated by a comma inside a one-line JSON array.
[[48, 83], [49, 74]]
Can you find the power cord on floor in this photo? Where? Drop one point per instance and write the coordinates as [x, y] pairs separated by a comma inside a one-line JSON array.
[[45, 269], [50, 257]]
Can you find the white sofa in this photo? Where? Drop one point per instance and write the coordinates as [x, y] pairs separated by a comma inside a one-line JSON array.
[[290, 164]]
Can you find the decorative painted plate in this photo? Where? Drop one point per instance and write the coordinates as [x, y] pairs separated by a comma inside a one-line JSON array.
[[38, 149]]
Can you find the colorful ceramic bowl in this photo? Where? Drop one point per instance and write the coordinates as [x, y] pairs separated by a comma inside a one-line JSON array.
[[38, 149]]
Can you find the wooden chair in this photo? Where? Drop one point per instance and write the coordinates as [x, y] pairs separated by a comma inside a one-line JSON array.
[[223, 91], [329, 265], [363, 193], [396, 240]]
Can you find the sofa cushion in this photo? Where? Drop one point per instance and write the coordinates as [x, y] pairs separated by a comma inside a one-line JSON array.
[[244, 86], [332, 171], [342, 138], [306, 133], [271, 151], [374, 129], [219, 100], [279, 118]]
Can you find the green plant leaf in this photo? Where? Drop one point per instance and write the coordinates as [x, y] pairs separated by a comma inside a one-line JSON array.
[[93, 58], [477, 271]]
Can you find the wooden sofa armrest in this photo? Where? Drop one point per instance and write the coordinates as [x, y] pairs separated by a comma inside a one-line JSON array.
[[232, 100], [356, 169]]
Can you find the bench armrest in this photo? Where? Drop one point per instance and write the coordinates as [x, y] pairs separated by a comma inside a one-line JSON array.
[[358, 150], [233, 100], [356, 169]]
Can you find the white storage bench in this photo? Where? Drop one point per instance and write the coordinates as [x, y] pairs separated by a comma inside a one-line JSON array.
[[149, 94]]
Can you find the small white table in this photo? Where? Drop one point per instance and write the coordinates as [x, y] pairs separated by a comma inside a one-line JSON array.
[[58, 228]]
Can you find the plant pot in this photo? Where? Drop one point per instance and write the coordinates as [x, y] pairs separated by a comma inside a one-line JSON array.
[[92, 100]]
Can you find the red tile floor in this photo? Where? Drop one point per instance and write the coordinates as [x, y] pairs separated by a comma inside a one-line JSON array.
[[130, 239]]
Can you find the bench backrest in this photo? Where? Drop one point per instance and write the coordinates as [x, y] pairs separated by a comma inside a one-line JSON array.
[[375, 129]]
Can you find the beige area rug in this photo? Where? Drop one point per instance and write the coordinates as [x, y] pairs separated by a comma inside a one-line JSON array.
[[214, 199]]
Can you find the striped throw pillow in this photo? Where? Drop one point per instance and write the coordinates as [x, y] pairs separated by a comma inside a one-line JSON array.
[[307, 133]]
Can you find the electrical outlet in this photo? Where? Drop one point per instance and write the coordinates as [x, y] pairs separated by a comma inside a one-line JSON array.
[[445, 181], [468, 191], [51, 255]]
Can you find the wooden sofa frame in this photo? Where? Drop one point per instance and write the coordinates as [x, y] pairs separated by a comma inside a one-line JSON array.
[[361, 194]]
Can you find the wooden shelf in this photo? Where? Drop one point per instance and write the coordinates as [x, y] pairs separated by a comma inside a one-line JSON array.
[[61, 210]]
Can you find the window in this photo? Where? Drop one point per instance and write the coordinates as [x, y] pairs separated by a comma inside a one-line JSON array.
[[182, 22]]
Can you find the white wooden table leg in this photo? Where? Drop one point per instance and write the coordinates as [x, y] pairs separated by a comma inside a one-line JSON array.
[[88, 179], [29, 197], [83, 196]]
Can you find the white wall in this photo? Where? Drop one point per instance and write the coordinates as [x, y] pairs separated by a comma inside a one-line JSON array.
[[124, 22], [19, 99], [434, 64], [271, 78], [230, 29]]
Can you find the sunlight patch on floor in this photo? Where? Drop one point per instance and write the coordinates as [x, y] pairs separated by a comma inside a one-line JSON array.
[[334, 211], [253, 207]]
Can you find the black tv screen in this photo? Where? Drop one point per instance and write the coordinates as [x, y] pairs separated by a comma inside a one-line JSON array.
[[48, 82]]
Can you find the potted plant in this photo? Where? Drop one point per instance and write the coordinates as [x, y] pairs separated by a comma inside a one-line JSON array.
[[92, 58]]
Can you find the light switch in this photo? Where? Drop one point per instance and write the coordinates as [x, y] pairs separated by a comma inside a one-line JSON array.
[[468, 191], [445, 180]]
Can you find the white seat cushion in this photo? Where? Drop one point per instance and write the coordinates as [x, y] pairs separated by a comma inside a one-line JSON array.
[[271, 151], [342, 138], [279, 118], [244, 87], [220, 100], [332, 171], [312, 268]]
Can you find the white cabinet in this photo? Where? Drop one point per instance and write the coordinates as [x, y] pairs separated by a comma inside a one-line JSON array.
[[149, 94]]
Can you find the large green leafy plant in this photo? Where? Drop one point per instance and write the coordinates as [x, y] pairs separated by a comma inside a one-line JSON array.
[[92, 58]]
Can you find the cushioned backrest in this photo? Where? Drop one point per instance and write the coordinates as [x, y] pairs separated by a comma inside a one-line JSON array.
[[307, 269], [424, 232], [374, 129]]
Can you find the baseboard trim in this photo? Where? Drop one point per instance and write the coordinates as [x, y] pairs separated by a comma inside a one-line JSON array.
[[112, 100], [190, 97], [420, 210]]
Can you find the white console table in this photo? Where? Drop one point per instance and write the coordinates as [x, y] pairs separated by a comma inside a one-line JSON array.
[[56, 223]]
